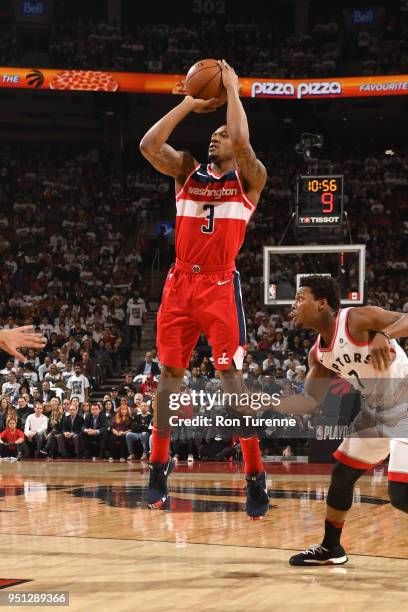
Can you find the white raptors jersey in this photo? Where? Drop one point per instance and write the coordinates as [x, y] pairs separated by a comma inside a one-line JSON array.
[[351, 360]]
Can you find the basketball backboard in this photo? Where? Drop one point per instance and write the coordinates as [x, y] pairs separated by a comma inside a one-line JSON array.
[[285, 265]]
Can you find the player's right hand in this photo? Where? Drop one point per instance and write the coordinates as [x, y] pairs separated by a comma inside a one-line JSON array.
[[203, 106]]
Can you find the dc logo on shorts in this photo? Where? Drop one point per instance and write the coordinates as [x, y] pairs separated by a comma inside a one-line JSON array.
[[223, 360]]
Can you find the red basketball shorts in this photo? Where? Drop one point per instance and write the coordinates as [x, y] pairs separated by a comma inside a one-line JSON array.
[[196, 301]]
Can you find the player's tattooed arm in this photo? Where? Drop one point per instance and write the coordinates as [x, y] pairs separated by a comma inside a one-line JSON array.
[[161, 155], [167, 160], [251, 169]]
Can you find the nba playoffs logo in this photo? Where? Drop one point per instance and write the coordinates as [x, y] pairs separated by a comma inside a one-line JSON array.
[[224, 360], [319, 432]]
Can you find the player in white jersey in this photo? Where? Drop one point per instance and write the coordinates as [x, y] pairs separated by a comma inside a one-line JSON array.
[[357, 344]]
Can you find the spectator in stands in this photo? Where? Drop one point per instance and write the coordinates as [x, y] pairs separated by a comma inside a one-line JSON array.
[[108, 411], [120, 428], [78, 384], [114, 397], [89, 369], [136, 317], [94, 433], [148, 366], [4, 405], [102, 355], [139, 432], [270, 361], [290, 362], [137, 401], [12, 441], [47, 408], [35, 429], [196, 382], [129, 396], [11, 387], [44, 368], [69, 435], [23, 411], [148, 386], [127, 384], [8, 368], [65, 406], [11, 413], [85, 409], [53, 376], [30, 375], [46, 393]]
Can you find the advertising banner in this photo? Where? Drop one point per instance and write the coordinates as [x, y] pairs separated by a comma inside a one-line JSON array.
[[152, 83]]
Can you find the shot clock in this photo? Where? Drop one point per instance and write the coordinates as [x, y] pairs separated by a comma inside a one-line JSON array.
[[319, 200]]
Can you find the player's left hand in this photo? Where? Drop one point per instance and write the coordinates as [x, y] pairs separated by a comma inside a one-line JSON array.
[[379, 349], [229, 76], [13, 339]]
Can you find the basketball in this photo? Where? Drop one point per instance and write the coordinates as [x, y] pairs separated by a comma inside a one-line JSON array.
[[204, 81]]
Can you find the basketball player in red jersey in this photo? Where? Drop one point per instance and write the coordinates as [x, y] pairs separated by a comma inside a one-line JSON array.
[[357, 344], [215, 201]]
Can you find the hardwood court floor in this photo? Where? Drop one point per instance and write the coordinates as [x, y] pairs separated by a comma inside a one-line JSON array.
[[82, 527]]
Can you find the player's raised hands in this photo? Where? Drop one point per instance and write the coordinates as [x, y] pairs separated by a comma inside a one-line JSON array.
[[379, 349], [203, 106], [229, 76], [13, 339]]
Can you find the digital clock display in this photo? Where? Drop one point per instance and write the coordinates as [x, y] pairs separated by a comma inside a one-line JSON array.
[[319, 201]]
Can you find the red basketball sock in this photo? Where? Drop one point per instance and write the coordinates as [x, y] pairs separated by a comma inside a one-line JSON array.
[[252, 455], [160, 445]]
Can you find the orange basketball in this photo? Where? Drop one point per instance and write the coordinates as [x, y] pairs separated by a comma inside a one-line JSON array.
[[204, 81]]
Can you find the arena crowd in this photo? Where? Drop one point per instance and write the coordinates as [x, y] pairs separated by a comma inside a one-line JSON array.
[[325, 48], [75, 268]]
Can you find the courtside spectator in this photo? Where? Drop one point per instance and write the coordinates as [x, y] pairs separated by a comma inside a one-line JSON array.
[[12, 441], [69, 436], [140, 432], [35, 429], [53, 428], [120, 427], [94, 433]]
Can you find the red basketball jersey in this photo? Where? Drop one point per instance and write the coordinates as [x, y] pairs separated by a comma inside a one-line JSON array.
[[212, 215]]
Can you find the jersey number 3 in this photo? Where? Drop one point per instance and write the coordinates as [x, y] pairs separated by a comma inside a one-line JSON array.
[[209, 228]]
